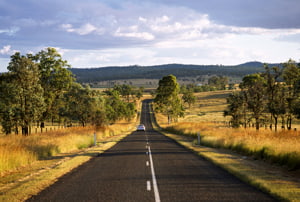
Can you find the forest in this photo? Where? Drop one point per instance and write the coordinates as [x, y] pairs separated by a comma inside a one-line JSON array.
[[91, 75]]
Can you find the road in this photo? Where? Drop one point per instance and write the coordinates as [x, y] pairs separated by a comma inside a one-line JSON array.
[[147, 166]]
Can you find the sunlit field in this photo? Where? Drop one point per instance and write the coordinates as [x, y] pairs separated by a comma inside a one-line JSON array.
[[206, 117], [17, 151]]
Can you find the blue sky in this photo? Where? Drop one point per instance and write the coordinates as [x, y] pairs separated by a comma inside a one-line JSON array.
[[96, 33]]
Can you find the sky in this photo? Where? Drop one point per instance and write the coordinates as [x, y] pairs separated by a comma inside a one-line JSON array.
[[97, 33]]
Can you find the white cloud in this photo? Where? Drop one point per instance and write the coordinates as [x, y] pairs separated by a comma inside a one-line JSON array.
[[134, 33], [83, 30], [6, 50], [11, 31]]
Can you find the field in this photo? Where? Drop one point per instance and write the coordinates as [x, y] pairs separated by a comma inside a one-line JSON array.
[[206, 117]]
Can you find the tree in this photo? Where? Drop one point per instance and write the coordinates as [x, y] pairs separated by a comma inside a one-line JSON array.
[[167, 100], [189, 97], [25, 101], [275, 94], [80, 104], [124, 90], [291, 75], [116, 109], [219, 82], [55, 79], [236, 109], [254, 86]]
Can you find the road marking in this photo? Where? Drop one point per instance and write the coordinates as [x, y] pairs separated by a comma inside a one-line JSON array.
[[147, 163], [155, 188], [148, 186]]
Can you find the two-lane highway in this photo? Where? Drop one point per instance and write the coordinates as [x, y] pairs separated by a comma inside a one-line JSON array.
[[147, 166]]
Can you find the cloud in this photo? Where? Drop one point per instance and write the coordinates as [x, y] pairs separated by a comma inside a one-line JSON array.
[[83, 30], [6, 50], [10, 31], [132, 32]]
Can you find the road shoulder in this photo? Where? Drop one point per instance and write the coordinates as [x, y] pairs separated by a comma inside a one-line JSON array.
[[275, 180]]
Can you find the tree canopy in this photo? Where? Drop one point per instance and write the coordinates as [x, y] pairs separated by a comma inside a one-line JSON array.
[[167, 99]]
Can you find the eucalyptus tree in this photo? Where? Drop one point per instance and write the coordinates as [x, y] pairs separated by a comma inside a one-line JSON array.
[[167, 98], [254, 88], [276, 94], [237, 109], [116, 109], [189, 97], [55, 79], [291, 75], [24, 101], [79, 104]]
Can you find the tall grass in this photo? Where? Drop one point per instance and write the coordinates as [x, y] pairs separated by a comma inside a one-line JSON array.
[[17, 151], [281, 148]]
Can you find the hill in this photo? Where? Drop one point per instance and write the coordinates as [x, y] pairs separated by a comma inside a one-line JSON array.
[[90, 75]]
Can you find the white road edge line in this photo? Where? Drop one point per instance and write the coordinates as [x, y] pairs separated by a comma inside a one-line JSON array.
[[155, 188], [148, 185]]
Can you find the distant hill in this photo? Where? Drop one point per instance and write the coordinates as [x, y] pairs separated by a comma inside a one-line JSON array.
[[89, 75]]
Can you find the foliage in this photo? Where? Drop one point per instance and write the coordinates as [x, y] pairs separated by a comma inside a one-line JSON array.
[[264, 93], [55, 79], [91, 75], [22, 95], [219, 82], [167, 100], [188, 97], [40, 88]]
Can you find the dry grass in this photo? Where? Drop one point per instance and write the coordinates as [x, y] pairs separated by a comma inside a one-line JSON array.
[[206, 117], [281, 148], [17, 151]]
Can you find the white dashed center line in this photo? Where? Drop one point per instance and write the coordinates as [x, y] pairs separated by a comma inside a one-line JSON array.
[[148, 186], [155, 188]]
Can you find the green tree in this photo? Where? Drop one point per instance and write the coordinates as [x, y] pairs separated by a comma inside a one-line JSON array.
[[25, 101], [236, 109], [291, 75], [116, 109], [124, 90], [219, 82], [189, 97], [55, 79], [167, 100], [81, 104], [254, 87], [275, 94]]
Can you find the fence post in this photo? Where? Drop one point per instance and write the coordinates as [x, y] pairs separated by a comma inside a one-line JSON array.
[[199, 138], [95, 139]]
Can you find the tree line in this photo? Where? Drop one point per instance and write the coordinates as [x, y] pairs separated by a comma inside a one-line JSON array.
[[39, 88], [267, 97]]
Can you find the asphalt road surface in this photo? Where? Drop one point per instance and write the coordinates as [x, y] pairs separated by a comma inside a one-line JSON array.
[[147, 166]]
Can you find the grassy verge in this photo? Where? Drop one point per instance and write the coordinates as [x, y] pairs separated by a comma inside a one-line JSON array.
[[273, 179], [48, 164], [281, 148], [276, 181]]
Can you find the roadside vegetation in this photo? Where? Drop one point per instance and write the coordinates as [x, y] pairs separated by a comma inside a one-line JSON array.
[[244, 120], [41, 102], [39, 89], [17, 152]]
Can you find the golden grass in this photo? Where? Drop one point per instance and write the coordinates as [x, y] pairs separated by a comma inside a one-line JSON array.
[[17, 151], [281, 148]]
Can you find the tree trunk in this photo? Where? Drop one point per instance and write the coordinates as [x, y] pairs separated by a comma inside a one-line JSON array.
[[25, 130], [257, 123], [276, 122], [289, 122]]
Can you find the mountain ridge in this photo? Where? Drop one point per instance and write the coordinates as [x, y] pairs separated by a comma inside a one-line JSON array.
[[97, 74]]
